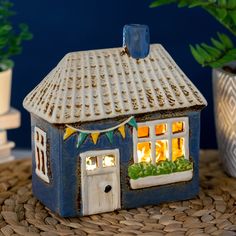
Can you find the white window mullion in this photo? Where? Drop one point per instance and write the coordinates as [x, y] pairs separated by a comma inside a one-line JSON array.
[[169, 140], [41, 161], [45, 163], [186, 140], [135, 143], [179, 135], [99, 161], [153, 143]]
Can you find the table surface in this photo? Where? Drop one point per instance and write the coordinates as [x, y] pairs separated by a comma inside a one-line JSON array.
[[212, 212]]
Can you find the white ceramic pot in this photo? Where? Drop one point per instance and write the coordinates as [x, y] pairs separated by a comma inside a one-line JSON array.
[[224, 92], [5, 91]]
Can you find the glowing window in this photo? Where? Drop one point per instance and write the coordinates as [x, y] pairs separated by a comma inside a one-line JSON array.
[[160, 129], [161, 150], [108, 160], [177, 148], [160, 140], [41, 161], [144, 152], [177, 127], [143, 132], [91, 163]]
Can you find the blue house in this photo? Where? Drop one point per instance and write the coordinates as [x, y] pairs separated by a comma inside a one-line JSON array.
[[110, 131]]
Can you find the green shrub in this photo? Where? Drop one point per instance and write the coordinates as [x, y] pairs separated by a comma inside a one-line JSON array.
[[165, 167], [143, 169], [183, 164]]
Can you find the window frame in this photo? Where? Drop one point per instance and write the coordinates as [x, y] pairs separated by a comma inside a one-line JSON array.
[[167, 136], [42, 148]]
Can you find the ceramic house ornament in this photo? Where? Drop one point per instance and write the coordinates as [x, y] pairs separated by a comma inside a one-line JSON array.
[[114, 129]]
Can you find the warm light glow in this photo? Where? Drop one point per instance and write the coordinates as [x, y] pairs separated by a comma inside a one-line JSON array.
[[160, 129], [144, 152], [143, 132], [177, 127], [91, 163], [177, 148], [161, 150], [108, 160]]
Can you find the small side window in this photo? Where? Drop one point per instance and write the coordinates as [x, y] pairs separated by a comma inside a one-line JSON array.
[[41, 154]]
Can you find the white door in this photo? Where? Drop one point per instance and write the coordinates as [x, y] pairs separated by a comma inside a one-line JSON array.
[[100, 181]]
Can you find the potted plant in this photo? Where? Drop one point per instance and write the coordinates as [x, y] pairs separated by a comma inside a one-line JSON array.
[[10, 44], [221, 56]]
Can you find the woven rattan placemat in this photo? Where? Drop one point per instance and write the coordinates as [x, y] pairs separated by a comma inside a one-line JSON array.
[[213, 212]]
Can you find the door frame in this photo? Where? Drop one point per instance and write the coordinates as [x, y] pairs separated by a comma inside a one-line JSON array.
[[100, 170]]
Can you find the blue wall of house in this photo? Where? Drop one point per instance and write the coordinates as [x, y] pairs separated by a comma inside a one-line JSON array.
[[47, 193], [63, 194], [129, 198]]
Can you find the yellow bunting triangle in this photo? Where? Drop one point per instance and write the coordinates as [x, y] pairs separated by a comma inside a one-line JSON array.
[[122, 130], [95, 137], [68, 133]]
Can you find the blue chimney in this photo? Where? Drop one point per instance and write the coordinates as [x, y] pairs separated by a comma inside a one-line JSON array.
[[136, 40]]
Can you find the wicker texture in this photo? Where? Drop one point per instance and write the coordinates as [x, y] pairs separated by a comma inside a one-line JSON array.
[[213, 212], [107, 83]]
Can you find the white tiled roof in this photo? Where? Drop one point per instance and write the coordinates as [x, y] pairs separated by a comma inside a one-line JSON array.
[[100, 84]]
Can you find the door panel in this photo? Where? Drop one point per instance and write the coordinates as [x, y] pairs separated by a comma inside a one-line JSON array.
[[100, 185]]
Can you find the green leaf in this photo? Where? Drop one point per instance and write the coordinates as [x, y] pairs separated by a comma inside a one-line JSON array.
[[5, 29], [231, 4], [214, 52], [158, 3], [222, 3], [228, 57], [218, 44], [204, 54], [218, 13], [226, 40], [196, 55], [232, 14]]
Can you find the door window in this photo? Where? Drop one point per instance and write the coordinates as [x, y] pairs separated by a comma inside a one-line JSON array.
[[96, 162]]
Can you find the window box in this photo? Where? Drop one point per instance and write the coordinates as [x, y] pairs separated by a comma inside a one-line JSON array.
[[151, 181]]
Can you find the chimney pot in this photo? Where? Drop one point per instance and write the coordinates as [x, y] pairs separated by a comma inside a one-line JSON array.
[[136, 40]]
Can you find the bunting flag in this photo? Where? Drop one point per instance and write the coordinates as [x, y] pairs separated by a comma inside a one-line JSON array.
[[95, 137], [122, 130], [68, 133], [81, 138], [133, 123], [109, 134], [94, 134]]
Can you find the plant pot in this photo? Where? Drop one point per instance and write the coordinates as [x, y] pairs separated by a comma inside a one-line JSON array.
[[224, 96], [5, 91]]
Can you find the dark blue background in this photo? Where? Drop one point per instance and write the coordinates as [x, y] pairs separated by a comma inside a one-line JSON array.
[[63, 26]]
